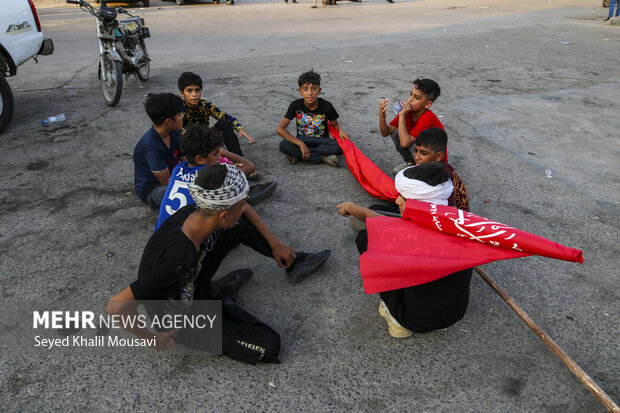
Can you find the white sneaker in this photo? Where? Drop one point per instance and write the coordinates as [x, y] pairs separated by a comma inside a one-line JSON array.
[[394, 327]]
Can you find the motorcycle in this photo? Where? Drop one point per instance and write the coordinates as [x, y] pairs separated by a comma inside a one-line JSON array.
[[121, 48]]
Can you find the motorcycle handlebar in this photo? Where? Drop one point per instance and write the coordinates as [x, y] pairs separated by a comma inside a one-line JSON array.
[[73, 1]]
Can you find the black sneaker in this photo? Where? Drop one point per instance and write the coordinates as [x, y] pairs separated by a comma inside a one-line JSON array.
[[260, 192], [305, 265], [227, 287]]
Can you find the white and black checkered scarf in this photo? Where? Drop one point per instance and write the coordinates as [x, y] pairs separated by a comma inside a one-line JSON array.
[[234, 189]]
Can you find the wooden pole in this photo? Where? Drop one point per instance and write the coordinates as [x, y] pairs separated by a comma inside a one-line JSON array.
[[574, 367]]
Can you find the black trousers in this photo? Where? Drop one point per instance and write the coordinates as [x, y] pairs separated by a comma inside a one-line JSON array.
[[430, 306], [231, 141], [318, 147], [244, 338]]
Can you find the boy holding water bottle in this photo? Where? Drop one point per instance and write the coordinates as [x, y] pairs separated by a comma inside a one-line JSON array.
[[412, 117]]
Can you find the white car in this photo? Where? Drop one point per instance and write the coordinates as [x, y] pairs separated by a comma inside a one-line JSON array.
[[21, 39]]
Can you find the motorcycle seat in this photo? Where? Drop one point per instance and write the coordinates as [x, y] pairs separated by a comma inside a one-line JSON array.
[[130, 20]]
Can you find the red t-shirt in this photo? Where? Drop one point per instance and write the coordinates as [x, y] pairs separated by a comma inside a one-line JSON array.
[[427, 120]]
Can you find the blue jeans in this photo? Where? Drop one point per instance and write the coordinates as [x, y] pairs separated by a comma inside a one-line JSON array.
[[154, 198], [614, 4]]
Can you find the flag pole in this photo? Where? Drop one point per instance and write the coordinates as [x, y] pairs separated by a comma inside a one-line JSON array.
[[570, 363]]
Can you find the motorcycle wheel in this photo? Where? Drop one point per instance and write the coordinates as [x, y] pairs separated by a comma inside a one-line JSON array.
[[113, 87], [144, 69], [6, 104]]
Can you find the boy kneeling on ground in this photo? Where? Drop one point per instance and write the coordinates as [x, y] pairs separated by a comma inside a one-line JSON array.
[[427, 307]]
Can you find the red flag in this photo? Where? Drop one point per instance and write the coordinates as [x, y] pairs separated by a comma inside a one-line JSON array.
[[476, 228], [441, 240], [372, 179]]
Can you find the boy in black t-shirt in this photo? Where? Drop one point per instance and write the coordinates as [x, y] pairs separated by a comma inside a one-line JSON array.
[[311, 113], [183, 255]]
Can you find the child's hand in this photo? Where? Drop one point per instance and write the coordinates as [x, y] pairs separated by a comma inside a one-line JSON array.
[[246, 135], [383, 107], [345, 135], [283, 254], [164, 339], [343, 209], [238, 165], [305, 152], [406, 108]]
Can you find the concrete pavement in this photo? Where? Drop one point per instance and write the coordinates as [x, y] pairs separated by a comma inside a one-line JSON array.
[[515, 102]]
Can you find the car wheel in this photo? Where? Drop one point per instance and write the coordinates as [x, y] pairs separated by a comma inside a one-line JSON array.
[[180, 2], [6, 104]]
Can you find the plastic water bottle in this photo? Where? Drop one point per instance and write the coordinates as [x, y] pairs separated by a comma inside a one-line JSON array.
[[53, 119], [398, 107]]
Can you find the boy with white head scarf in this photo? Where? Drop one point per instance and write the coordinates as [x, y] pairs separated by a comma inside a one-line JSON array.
[[183, 255], [427, 307]]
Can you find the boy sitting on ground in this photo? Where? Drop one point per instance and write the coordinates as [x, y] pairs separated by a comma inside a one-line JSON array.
[[431, 146], [181, 258], [414, 117], [311, 114], [158, 150], [203, 146], [198, 110], [431, 306]]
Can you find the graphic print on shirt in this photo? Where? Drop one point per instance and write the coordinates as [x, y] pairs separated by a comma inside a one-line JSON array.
[[179, 191], [174, 161], [187, 281], [310, 125]]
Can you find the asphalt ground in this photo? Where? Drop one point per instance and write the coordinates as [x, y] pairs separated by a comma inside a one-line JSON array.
[[515, 101]]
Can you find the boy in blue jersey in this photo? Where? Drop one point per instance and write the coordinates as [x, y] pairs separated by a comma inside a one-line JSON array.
[[202, 146]]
